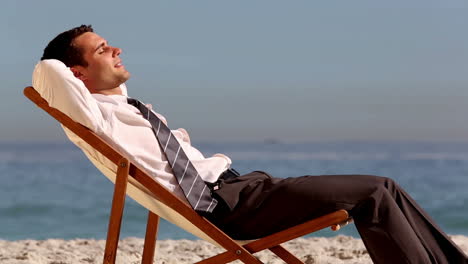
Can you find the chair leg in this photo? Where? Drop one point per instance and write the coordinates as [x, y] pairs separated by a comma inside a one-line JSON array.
[[285, 255], [229, 256], [115, 219], [150, 238]]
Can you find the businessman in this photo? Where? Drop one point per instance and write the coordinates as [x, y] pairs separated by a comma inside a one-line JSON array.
[[392, 225]]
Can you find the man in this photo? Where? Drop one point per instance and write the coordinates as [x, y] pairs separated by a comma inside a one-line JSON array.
[[393, 227]]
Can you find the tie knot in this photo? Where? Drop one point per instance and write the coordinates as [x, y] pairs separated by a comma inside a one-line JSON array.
[[133, 102]]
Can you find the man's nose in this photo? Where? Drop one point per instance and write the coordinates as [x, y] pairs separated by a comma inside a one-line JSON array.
[[116, 51]]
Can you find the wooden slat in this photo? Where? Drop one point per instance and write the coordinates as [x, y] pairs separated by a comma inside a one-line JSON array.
[[115, 219], [285, 255], [298, 231], [221, 258], [150, 238]]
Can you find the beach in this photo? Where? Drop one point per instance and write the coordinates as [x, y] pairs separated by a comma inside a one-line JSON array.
[[312, 250], [50, 198]]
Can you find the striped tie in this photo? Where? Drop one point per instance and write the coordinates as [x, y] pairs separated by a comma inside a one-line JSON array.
[[195, 189]]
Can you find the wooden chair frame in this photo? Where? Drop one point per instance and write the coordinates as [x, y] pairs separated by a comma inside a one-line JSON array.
[[235, 250]]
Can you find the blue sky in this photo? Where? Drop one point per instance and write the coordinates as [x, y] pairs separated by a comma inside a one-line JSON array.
[[256, 70]]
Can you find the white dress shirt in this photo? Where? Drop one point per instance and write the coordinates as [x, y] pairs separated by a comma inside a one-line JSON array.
[[119, 124]]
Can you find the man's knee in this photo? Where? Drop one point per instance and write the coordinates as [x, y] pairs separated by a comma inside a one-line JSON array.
[[381, 197], [384, 182], [390, 185]]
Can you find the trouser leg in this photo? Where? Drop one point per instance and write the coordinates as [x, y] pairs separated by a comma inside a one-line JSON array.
[[407, 225], [392, 226]]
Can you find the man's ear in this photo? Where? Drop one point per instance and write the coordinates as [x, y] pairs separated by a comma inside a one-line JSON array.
[[78, 72]]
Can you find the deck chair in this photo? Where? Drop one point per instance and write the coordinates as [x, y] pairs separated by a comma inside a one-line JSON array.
[[131, 180]]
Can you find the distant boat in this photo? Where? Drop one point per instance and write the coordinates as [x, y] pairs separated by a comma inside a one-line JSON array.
[[272, 141]]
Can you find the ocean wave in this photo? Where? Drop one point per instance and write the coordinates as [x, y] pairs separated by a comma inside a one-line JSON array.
[[338, 156]]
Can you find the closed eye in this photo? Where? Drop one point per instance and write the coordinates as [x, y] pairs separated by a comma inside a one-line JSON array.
[[101, 48]]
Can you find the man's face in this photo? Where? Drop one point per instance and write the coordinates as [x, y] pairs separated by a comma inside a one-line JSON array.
[[105, 71]]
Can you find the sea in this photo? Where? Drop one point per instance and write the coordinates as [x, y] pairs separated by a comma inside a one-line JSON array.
[[50, 190]]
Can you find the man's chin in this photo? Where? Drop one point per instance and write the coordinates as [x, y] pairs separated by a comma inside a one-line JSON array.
[[127, 74], [124, 77]]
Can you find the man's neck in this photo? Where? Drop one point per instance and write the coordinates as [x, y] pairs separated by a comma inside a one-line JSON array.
[[114, 91]]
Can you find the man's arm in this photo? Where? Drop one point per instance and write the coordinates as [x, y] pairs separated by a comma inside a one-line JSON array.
[[62, 90]]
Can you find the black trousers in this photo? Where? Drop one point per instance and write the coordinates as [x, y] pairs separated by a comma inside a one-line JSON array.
[[392, 225]]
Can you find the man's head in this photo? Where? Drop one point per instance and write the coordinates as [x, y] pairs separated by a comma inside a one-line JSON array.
[[90, 58]]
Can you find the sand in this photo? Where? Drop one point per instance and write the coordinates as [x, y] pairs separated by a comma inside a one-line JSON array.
[[339, 249]]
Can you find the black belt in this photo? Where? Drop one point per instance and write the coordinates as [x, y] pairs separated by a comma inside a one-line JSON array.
[[226, 175], [229, 174]]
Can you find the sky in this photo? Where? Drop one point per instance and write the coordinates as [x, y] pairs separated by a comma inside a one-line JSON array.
[[262, 70]]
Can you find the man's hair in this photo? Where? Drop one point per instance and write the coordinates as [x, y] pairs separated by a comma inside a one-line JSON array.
[[62, 47]]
